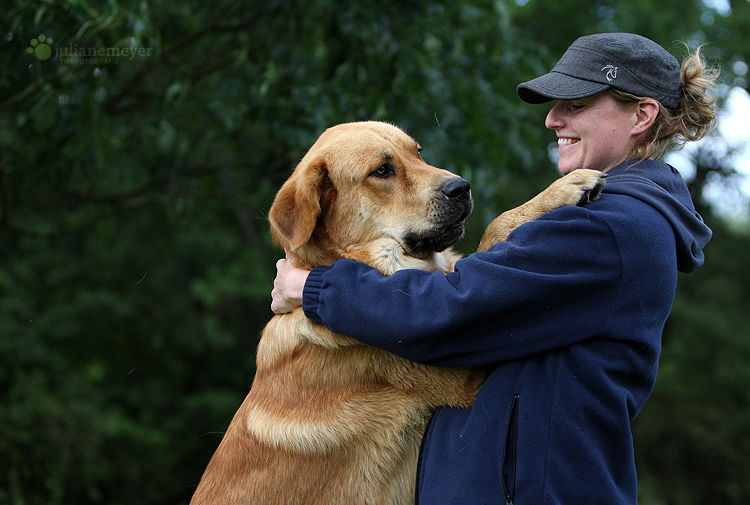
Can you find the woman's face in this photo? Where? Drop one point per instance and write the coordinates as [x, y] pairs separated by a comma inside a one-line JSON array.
[[594, 132]]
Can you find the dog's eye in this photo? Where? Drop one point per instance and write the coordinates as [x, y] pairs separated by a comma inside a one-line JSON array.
[[384, 171], [419, 153]]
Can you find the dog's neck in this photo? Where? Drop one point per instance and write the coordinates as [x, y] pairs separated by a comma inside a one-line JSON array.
[[385, 254], [310, 257]]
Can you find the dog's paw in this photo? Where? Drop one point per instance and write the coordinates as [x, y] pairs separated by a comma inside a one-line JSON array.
[[579, 187], [590, 191]]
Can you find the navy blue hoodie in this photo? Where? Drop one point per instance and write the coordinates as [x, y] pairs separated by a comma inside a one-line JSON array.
[[566, 315]]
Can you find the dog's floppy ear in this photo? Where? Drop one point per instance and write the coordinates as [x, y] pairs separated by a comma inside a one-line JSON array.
[[296, 208]]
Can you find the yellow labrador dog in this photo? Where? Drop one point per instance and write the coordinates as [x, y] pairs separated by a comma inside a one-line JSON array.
[[329, 420]]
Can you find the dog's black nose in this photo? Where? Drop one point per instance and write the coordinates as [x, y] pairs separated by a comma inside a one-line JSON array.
[[456, 188]]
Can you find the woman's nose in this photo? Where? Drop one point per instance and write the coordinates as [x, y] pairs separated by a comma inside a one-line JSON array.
[[554, 118]]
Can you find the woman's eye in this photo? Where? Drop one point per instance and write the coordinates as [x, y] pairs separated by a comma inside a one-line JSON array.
[[383, 171]]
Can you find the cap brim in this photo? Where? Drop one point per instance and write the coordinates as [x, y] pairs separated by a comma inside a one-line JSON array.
[[557, 86]]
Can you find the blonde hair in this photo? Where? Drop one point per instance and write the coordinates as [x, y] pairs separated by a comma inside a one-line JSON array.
[[692, 120]]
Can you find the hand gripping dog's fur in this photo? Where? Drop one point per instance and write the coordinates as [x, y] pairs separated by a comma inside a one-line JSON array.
[[329, 420]]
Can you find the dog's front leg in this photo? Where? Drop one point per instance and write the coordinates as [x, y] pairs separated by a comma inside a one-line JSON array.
[[577, 188]]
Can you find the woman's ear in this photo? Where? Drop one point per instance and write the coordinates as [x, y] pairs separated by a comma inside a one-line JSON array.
[[646, 112]]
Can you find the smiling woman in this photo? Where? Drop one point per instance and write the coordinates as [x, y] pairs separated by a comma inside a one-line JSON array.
[[639, 104]]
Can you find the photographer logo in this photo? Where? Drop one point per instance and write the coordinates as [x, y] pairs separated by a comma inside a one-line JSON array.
[[40, 47]]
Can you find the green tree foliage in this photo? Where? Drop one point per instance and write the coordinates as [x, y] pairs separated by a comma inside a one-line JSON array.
[[135, 258]]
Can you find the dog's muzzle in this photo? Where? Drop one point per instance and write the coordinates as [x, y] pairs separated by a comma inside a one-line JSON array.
[[447, 213]]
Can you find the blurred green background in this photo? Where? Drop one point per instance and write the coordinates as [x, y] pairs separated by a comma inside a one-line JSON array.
[[135, 259]]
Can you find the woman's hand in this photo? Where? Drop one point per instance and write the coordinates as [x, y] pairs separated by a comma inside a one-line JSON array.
[[287, 287]]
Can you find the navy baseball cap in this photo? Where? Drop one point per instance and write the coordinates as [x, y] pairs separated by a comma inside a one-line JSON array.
[[595, 63]]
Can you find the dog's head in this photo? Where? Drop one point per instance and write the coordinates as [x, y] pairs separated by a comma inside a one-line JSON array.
[[363, 190]]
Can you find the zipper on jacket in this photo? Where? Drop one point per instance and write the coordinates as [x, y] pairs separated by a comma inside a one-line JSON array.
[[509, 458]]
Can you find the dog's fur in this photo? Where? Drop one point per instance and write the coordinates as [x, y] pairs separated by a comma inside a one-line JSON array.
[[329, 420]]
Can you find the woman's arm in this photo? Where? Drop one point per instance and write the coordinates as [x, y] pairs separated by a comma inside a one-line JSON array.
[[551, 284]]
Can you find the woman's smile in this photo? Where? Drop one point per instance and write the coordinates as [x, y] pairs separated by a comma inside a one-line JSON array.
[[594, 132]]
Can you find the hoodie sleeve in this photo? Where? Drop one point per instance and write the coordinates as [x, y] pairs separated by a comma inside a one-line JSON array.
[[551, 284]]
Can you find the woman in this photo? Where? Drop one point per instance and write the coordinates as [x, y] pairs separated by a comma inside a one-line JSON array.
[[567, 314]]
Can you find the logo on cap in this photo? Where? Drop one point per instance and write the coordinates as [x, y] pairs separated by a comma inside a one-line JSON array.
[[611, 72]]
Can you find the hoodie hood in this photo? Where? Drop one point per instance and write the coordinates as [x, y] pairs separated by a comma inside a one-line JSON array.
[[662, 187]]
